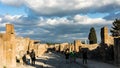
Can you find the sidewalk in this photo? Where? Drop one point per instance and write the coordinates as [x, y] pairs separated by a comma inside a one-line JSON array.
[[95, 64]]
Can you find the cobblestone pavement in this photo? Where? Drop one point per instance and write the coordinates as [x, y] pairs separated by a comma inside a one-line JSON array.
[[52, 60]]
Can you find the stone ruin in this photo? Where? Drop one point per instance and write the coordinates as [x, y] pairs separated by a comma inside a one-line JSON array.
[[7, 47], [77, 46], [63, 47], [57, 47], [13, 47], [105, 37]]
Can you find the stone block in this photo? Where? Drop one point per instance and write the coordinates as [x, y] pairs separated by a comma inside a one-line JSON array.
[[42, 48], [77, 43], [10, 29]]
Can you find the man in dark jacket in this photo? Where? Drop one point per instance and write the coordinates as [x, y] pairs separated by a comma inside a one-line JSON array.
[[84, 57], [32, 55]]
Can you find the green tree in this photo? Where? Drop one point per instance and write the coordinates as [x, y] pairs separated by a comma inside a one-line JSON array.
[[115, 28], [92, 36]]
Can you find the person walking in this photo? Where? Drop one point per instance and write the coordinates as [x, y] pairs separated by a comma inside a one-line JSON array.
[[67, 56], [84, 55], [32, 55], [73, 57], [24, 59], [28, 58]]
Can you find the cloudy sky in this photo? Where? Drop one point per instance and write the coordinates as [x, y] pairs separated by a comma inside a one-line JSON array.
[[58, 20]]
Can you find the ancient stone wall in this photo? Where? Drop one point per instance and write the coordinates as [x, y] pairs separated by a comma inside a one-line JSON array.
[[31, 45], [12, 47], [10, 29], [42, 48], [63, 47], [8, 48], [77, 45], [90, 46], [71, 47], [21, 47], [105, 37], [1, 52], [57, 47]]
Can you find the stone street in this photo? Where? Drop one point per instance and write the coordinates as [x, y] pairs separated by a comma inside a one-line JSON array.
[[52, 60]]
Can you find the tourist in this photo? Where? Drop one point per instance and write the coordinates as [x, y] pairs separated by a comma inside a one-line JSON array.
[[67, 55], [84, 55], [32, 55], [28, 57], [24, 59], [73, 57]]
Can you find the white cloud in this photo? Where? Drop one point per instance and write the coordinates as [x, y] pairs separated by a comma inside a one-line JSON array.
[[11, 18], [2, 31], [13, 2], [0, 19], [62, 7], [55, 6], [87, 20], [77, 19], [59, 27], [3, 24], [62, 28]]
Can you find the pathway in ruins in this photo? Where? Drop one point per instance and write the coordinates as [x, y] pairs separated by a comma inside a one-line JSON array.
[[52, 60]]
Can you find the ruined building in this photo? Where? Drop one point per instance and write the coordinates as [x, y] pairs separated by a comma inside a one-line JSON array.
[[105, 37], [13, 47], [7, 47]]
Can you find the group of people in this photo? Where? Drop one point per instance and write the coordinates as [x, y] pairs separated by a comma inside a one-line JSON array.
[[29, 57], [72, 56]]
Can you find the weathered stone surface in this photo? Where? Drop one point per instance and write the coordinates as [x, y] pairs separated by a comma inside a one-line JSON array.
[[105, 38], [42, 48], [90, 46], [21, 47], [63, 47], [1, 53], [71, 47], [10, 29], [12, 47], [31, 45], [77, 45], [9, 59], [57, 47]]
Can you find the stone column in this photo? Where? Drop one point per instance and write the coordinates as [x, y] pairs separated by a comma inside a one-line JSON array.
[[1, 53], [9, 47], [77, 43], [10, 29], [31, 45]]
